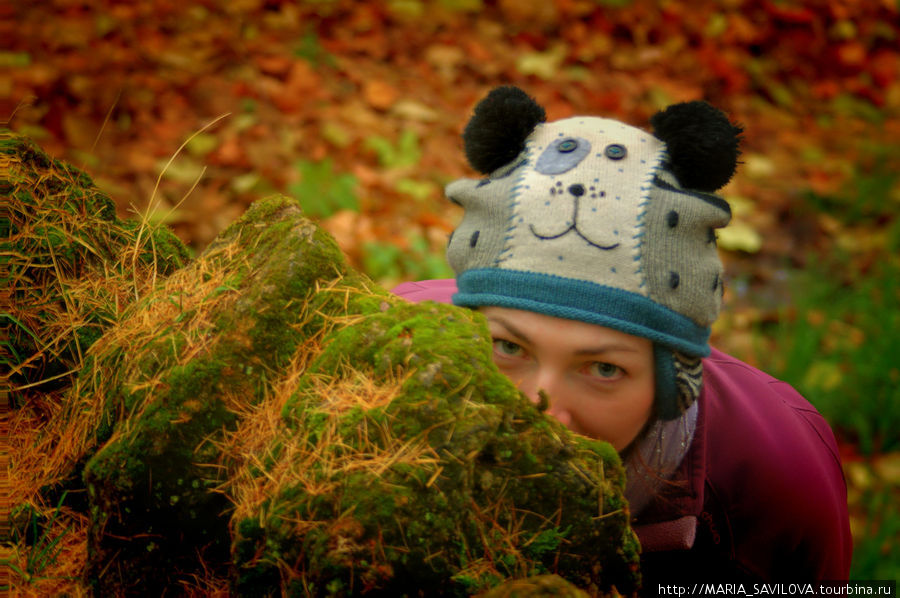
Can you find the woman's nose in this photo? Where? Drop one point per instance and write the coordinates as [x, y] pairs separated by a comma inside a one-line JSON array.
[[558, 409], [538, 386], [545, 387]]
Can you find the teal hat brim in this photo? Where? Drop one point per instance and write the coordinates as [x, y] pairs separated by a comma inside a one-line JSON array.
[[584, 301]]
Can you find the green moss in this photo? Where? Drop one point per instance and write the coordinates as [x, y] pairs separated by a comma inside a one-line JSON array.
[[169, 408], [538, 586], [452, 480], [263, 212], [67, 252], [481, 504], [159, 246]]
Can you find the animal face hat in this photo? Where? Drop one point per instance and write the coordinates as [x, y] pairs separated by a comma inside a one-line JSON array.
[[591, 219]]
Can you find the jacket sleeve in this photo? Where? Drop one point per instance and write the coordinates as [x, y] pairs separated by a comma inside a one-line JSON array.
[[818, 498], [773, 462]]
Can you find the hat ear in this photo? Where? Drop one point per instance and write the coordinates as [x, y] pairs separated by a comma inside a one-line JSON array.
[[497, 131], [702, 144]]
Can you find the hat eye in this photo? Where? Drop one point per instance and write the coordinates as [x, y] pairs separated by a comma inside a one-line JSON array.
[[616, 151], [562, 155], [567, 145]]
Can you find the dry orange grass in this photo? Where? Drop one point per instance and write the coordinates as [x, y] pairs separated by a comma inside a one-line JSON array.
[[246, 448], [250, 445], [47, 445], [71, 270], [58, 571]]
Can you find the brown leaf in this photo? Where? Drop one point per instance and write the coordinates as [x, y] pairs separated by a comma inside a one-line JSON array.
[[277, 65], [380, 94], [230, 153], [302, 85]]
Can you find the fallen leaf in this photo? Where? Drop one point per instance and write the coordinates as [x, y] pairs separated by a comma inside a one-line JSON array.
[[823, 375], [244, 182], [336, 134], [542, 64], [739, 236], [277, 65], [413, 110], [302, 85], [444, 57], [380, 94], [202, 144], [758, 166], [887, 467], [230, 153], [182, 170]]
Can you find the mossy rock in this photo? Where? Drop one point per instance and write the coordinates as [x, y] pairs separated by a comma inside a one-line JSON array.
[[267, 415], [539, 586], [181, 364], [71, 266], [409, 463]]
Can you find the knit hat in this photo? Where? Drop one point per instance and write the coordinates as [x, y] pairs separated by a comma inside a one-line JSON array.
[[594, 220]]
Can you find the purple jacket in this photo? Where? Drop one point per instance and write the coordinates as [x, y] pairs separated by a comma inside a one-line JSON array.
[[760, 494]]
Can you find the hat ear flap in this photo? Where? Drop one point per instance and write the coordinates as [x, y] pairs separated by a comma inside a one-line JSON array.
[[498, 129], [702, 144]]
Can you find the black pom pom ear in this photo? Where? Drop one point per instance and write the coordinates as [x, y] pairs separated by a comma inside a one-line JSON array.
[[702, 144], [497, 131]]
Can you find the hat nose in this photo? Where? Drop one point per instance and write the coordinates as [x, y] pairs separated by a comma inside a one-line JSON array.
[[577, 190]]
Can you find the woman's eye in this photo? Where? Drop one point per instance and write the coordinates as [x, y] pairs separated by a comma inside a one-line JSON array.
[[508, 348], [604, 370]]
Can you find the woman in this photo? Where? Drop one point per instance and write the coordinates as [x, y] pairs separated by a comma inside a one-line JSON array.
[[590, 249]]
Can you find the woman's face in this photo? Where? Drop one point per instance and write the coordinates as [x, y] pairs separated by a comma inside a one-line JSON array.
[[599, 381]]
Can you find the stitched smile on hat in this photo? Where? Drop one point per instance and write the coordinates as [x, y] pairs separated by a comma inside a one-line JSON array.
[[576, 191]]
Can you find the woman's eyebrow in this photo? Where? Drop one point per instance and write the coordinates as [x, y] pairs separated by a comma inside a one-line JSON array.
[[509, 327], [597, 350], [610, 348]]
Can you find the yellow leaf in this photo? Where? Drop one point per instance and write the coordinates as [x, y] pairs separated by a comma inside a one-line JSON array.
[[823, 375], [888, 468], [758, 166], [336, 134], [858, 475], [184, 170], [414, 110], [202, 144], [739, 236], [542, 64], [740, 206]]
